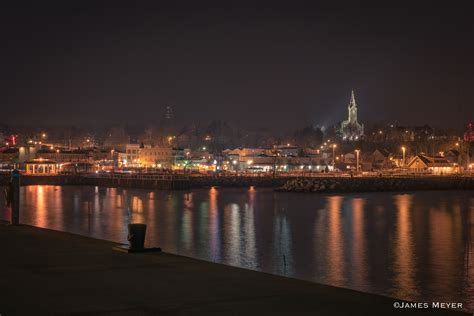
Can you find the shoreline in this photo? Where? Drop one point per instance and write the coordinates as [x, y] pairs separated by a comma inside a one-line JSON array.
[[323, 184], [162, 283]]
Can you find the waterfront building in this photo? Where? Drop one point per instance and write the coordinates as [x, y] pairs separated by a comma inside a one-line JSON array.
[[129, 157], [285, 150], [26, 153], [351, 129], [65, 156], [180, 157], [243, 152], [41, 166], [256, 163], [432, 164], [9, 155], [179, 154], [156, 157]]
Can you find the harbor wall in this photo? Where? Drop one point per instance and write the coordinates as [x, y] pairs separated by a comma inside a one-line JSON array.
[[285, 184]]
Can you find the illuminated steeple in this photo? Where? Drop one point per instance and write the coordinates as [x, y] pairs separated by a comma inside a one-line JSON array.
[[352, 109], [351, 129], [352, 102]]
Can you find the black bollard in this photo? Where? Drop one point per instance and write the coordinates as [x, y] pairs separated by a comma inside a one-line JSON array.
[[136, 236], [136, 239], [15, 197]]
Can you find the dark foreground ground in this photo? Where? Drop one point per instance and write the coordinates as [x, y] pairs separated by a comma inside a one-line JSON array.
[[44, 272]]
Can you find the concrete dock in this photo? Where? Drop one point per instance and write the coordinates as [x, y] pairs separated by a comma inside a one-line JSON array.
[[45, 272]]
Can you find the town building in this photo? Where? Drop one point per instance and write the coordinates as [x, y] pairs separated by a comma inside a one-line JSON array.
[[156, 157], [285, 151], [380, 159], [129, 156], [65, 156], [8, 157], [469, 134], [41, 166], [432, 164]]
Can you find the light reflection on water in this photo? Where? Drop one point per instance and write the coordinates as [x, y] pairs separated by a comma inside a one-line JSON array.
[[415, 246]]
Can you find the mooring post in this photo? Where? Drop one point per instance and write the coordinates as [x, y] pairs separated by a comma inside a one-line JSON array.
[[15, 197], [136, 236]]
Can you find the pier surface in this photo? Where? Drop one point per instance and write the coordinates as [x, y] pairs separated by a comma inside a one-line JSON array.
[[45, 272]]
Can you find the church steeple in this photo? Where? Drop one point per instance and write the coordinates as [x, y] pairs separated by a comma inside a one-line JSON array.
[[351, 129], [352, 102]]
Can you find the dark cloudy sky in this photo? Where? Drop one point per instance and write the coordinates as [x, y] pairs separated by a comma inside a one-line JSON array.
[[80, 62]]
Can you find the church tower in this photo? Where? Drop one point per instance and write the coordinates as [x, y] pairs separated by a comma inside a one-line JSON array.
[[351, 129], [168, 122], [352, 109]]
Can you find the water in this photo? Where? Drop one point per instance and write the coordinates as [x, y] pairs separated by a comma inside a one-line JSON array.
[[415, 246]]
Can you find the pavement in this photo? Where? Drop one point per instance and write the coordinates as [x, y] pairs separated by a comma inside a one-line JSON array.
[[45, 272]]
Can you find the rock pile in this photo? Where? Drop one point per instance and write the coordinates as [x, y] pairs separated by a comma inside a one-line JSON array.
[[376, 184]]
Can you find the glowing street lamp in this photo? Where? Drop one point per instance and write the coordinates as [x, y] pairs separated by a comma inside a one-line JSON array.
[[404, 152], [357, 160], [333, 153]]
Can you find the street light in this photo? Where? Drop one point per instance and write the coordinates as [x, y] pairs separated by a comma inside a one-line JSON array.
[[357, 161], [333, 153], [404, 151]]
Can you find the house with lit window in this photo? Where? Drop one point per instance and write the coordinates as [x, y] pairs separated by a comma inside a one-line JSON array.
[[156, 157], [432, 164]]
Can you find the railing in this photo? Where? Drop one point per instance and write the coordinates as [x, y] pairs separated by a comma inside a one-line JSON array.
[[146, 177], [307, 174]]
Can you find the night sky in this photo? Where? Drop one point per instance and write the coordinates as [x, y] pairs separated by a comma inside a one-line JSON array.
[[90, 63]]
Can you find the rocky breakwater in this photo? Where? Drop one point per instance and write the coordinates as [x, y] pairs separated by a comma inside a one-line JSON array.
[[237, 181], [377, 184]]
